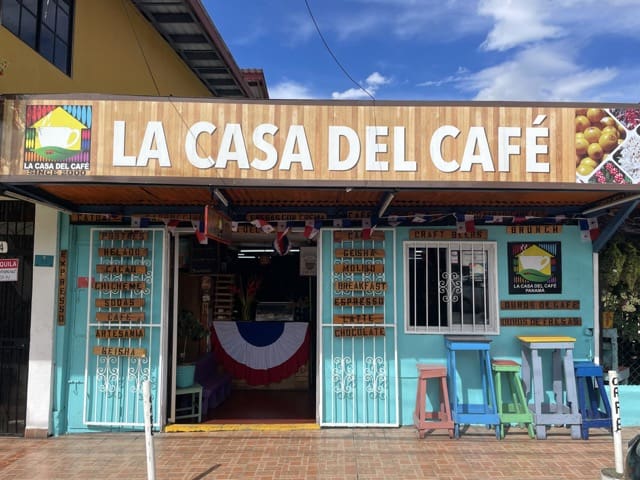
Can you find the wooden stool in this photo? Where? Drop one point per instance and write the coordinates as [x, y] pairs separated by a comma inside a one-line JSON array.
[[483, 412], [430, 420], [590, 401], [516, 411], [561, 409], [193, 403]]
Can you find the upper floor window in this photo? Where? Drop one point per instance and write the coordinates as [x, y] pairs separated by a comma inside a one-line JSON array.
[[451, 287], [44, 25]]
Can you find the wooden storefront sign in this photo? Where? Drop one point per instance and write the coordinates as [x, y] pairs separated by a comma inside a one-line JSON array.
[[120, 333], [82, 218], [360, 285], [123, 252], [120, 286], [119, 302], [358, 267], [541, 322], [120, 317], [134, 235], [286, 217], [359, 332], [540, 305], [358, 301], [359, 253], [424, 234], [354, 144], [120, 269], [361, 318], [120, 351], [348, 235], [368, 328], [533, 229]]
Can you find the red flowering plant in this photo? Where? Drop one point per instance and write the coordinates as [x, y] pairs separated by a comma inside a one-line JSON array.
[[246, 295]]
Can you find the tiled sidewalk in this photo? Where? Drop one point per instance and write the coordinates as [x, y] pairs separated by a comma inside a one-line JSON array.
[[335, 454]]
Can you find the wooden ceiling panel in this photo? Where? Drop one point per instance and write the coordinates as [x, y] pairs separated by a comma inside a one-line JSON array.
[[129, 194], [496, 198], [118, 195], [300, 197]]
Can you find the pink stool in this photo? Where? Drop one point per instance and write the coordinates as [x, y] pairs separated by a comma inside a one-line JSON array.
[[431, 420]]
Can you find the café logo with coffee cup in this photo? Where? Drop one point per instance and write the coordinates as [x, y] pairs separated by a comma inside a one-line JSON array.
[[534, 267], [57, 140]]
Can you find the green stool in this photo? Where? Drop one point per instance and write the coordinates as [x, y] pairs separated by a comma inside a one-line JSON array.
[[517, 411]]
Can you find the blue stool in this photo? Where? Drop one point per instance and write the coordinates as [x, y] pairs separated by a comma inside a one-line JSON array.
[[485, 413], [591, 397]]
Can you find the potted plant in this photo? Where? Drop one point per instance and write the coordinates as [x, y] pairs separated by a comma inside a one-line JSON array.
[[619, 281], [190, 330], [246, 296]]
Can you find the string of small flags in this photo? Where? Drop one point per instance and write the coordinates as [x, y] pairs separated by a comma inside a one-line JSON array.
[[589, 228]]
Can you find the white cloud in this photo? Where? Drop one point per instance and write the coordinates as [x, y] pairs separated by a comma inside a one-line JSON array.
[[517, 22], [290, 90], [460, 75], [540, 73], [297, 28], [358, 25], [368, 90]]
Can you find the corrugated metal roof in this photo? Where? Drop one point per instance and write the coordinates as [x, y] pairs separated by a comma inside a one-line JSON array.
[[187, 27]]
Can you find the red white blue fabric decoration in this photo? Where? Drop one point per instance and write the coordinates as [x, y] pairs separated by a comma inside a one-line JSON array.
[[367, 230], [262, 225], [281, 244], [311, 228], [465, 223], [589, 229], [261, 352], [172, 224]]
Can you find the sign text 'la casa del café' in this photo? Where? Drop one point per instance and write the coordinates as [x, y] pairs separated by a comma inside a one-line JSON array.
[[328, 142]]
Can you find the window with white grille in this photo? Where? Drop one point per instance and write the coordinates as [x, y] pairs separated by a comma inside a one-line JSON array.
[[451, 287]]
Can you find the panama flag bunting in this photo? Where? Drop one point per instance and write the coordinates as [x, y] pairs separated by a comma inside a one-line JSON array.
[[589, 229], [367, 229], [262, 225], [311, 228], [465, 223], [172, 225]]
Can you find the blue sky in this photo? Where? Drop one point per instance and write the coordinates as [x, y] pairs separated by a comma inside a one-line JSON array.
[[529, 50]]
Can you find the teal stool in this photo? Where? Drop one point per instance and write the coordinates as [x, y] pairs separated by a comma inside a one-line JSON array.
[[517, 410]]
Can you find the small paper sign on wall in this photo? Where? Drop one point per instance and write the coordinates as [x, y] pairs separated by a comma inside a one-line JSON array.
[[308, 261], [9, 269]]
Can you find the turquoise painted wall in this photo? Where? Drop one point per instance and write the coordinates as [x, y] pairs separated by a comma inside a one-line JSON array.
[[412, 348]]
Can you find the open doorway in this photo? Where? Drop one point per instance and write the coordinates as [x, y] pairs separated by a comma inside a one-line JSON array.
[[259, 305]]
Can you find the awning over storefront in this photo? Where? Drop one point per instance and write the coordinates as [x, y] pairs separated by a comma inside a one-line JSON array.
[[303, 162]]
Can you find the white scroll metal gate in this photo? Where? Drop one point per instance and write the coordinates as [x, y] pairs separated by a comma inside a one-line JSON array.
[[125, 327], [358, 338]]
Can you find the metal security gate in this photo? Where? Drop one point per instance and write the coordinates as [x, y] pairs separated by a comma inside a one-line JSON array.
[[16, 235], [125, 326], [358, 337]]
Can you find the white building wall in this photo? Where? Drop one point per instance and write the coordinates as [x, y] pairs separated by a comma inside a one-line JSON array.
[[43, 321]]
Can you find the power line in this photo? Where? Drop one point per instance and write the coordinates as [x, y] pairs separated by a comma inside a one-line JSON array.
[[140, 48], [326, 45]]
